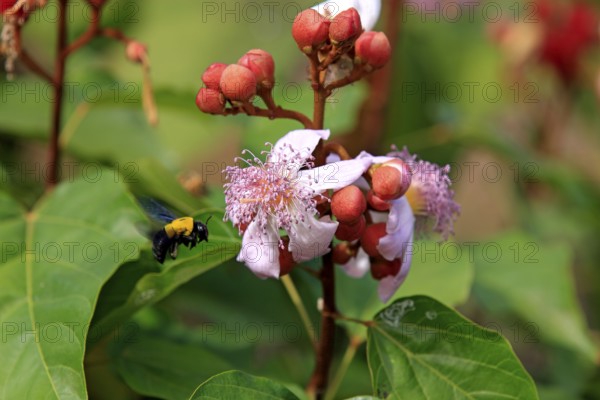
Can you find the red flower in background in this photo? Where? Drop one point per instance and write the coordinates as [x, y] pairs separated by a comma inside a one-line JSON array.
[[569, 30], [6, 4]]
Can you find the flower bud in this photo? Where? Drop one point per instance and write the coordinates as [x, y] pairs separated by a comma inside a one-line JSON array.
[[377, 203], [342, 253], [372, 49], [380, 268], [348, 204], [345, 26], [262, 65], [238, 83], [391, 180], [212, 75], [135, 51], [286, 259], [351, 231], [370, 239], [210, 101], [310, 30]]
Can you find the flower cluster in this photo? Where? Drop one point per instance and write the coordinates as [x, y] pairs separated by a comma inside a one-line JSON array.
[[308, 195], [238, 83], [565, 32], [283, 193], [336, 37], [404, 194], [374, 218]]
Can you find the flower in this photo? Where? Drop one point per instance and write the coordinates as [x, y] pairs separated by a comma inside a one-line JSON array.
[[368, 9], [429, 194], [427, 203], [281, 194]]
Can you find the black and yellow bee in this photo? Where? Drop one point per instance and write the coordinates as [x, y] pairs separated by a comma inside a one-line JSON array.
[[184, 230]]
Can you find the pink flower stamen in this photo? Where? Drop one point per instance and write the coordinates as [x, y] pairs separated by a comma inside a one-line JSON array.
[[429, 194]]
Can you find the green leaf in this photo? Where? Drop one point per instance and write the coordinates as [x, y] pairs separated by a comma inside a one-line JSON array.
[[419, 348], [534, 280], [442, 270], [239, 385], [145, 285], [159, 367], [148, 177], [55, 260]]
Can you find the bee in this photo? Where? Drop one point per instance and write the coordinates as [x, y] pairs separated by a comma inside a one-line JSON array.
[[184, 230]]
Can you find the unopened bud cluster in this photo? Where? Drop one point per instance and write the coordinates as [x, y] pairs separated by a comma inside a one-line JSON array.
[[253, 74], [355, 211], [341, 35]]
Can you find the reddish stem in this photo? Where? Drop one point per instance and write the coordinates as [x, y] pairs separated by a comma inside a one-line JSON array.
[[58, 86], [320, 376], [372, 112], [356, 74], [34, 66], [278, 112], [319, 379], [87, 36]]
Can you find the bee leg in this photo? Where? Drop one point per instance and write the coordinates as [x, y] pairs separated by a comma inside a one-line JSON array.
[[173, 250]]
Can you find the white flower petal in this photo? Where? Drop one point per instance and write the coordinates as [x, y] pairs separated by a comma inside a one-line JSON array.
[[260, 251], [368, 9], [374, 159], [363, 184], [335, 175], [400, 227], [303, 140], [394, 245], [357, 266], [400, 214], [331, 158], [311, 238], [388, 285]]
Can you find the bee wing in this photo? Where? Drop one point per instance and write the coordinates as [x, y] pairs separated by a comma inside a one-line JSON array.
[[156, 210]]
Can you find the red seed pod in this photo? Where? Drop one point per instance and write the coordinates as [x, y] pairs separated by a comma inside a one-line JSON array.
[[286, 259], [261, 63], [342, 253], [372, 49], [310, 30], [391, 180], [136, 51], [351, 231], [376, 202], [212, 75], [370, 239], [380, 268], [345, 26], [210, 101], [348, 204], [238, 83]]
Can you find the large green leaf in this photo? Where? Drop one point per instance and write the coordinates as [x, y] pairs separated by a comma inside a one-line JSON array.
[[142, 284], [160, 367], [442, 270], [533, 279], [234, 385], [55, 260], [419, 348]]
